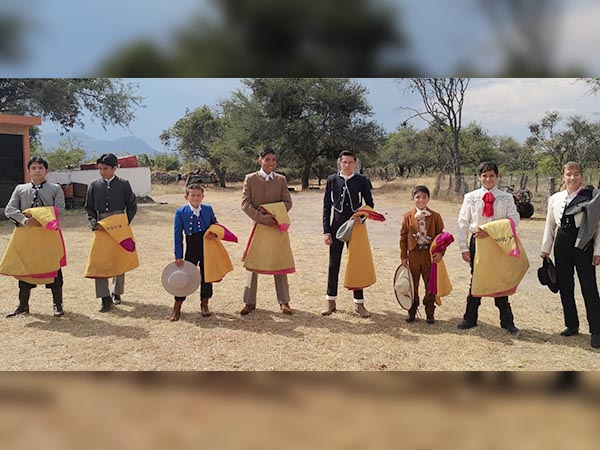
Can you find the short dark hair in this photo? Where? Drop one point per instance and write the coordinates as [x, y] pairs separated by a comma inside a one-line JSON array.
[[109, 159], [486, 166], [193, 186], [347, 153], [38, 160], [265, 151], [419, 188]]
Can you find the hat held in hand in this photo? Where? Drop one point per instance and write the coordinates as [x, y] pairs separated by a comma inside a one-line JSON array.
[[403, 287], [547, 275], [181, 281]]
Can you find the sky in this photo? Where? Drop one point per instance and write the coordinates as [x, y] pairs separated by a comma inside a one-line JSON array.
[[502, 106], [70, 38]]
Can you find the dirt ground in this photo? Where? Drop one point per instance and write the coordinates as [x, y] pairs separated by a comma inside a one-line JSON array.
[[138, 336]]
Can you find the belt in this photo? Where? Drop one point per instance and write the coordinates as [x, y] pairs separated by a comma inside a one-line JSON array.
[[422, 246]]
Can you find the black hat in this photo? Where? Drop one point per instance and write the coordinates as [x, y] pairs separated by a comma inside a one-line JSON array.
[[547, 275], [109, 159], [265, 151]]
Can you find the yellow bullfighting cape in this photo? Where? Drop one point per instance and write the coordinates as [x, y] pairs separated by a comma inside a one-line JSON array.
[[35, 254], [500, 260], [360, 270], [439, 281], [269, 250], [216, 259], [113, 250]]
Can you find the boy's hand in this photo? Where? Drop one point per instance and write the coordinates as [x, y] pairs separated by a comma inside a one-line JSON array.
[[179, 263], [328, 240], [272, 222], [544, 255], [404, 262], [480, 234], [466, 256], [436, 258], [210, 236], [596, 260], [31, 222]]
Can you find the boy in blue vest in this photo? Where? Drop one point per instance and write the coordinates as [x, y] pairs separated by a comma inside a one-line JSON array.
[[193, 220]]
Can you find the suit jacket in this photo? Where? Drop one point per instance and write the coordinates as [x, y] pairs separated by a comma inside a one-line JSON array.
[[589, 226], [257, 191], [186, 222], [410, 226], [345, 198], [50, 194], [119, 198]]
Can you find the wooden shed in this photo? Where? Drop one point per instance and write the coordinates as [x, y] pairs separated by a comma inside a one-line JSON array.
[[14, 152]]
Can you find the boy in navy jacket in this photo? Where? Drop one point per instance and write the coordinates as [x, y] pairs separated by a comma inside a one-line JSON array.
[[193, 220]]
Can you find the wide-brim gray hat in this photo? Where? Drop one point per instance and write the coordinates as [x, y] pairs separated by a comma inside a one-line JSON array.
[[181, 281], [403, 287], [345, 231]]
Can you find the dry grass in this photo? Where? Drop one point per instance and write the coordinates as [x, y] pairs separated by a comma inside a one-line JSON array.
[[137, 336]]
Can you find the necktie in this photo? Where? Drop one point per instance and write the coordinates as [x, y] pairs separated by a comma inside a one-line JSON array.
[[36, 195], [488, 207]]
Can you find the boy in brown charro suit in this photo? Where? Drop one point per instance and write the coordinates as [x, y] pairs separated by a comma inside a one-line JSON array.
[[420, 226]]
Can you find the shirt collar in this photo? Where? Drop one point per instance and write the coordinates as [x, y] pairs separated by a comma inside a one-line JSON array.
[[195, 211], [346, 177], [266, 176], [38, 186], [108, 181]]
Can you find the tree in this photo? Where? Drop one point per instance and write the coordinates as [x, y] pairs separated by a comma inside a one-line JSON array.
[[443, 100], [64, 100], [68, 154], [195, 136], [166, 161], [312, 117], [272, 38]]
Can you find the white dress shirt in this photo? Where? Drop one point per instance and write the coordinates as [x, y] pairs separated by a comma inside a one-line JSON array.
[[265, 175], [471, 213]]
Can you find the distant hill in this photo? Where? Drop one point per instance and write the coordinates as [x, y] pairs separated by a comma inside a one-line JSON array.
[[129, 145]]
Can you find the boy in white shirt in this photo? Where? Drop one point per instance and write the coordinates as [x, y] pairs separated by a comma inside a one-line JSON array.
[[480, 207]]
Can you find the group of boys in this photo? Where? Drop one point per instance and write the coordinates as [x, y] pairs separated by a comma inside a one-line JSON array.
[[346, 191]]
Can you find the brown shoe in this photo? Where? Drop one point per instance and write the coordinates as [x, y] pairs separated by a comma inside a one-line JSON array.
[[330, 308], [247, 309], [285, 308], [204, 311], [361, 310], [176, 311]]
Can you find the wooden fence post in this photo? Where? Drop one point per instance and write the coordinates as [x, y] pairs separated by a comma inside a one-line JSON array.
[[551, 187], [537, 179]]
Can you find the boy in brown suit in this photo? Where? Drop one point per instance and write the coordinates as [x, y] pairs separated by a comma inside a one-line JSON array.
[[420, 226], [262, 187]]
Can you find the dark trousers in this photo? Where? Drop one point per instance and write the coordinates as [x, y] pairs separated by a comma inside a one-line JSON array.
[[194, 253], [56, 288], [471, 313], [567, 258], [335, 259]]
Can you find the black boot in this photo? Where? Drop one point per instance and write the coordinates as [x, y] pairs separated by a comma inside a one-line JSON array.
[[471, 314], [57, 299], [507, 320], [106, 304], [116, 299], [23, 307]]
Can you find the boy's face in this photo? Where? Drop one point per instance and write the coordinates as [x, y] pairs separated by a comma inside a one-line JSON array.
[[37, 173], [268, 163], [420, 200], [488, 179], [572, 179], [347, 165], [106, 172], [195, 197]]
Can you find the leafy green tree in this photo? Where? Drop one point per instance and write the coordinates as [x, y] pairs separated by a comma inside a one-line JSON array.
[[68, 154], [195, 135], [310, 117], [65, 100], [166, 161]]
